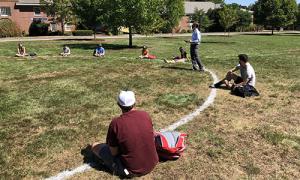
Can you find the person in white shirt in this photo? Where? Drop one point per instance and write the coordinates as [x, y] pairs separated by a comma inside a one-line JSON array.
[[195, 42], [66, 51], [247, 75]]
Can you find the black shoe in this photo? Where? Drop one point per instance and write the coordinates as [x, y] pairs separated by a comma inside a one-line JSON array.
[[212, 86]]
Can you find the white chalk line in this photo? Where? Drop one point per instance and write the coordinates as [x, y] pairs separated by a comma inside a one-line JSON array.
[[210, 99]]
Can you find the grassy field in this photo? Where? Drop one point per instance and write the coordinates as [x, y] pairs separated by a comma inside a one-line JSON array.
[[52, 107]]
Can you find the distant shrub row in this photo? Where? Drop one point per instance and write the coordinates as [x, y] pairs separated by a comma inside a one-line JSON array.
[[82, 33], [9, 29], [38, 28]]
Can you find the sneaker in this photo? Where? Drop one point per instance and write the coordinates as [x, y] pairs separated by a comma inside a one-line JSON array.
[[212, 86]]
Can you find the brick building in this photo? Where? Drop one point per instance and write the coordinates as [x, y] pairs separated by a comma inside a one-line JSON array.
[[22, 12], [189, 8]]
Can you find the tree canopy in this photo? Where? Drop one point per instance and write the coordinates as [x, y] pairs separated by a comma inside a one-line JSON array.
[[228, 17], [89, 13], [60, 10], [275, 13], [171, 12]]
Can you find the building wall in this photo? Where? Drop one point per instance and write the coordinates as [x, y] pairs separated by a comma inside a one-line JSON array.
[[21, 15], [184, 24]]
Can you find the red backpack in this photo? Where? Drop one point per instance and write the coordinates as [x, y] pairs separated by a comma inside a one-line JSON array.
[[170, 144]]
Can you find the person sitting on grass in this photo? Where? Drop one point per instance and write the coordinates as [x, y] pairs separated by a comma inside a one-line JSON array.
[[21, 50], [181, 58], [247, 75], [145, 54], [99, 51], [66, 51], [129, 150]]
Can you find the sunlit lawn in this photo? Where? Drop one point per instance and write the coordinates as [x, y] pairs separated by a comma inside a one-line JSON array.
[[52, 107]]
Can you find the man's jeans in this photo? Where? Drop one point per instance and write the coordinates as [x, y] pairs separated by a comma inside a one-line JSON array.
[[195, 57]]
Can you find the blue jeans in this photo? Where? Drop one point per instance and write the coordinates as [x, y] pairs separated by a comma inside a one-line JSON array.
[[112, 162]]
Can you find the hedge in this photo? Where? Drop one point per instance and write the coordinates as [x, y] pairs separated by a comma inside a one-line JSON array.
[[82, 33], [9, 29], [38, 28]]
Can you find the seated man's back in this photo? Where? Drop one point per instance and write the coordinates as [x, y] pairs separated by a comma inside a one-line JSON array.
[[132, 133]]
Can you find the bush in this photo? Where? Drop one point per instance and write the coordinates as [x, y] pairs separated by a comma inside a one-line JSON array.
[[183, 31], [9, 29], [55, 33], [38, 28], [82, 33]]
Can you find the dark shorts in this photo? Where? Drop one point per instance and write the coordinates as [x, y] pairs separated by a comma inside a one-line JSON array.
[[112, 162]]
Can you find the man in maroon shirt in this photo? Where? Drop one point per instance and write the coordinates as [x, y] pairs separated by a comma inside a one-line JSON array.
[[130, 149]]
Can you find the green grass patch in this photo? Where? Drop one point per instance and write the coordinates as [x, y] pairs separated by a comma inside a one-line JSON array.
[[51, 106], [176, 100]]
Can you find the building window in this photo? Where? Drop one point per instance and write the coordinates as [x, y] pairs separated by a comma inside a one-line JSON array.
[[39, 19], [5, 11], [37, 11]]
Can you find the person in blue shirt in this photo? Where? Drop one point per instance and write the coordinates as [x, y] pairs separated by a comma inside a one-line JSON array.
[[99, 51], [195, 42]]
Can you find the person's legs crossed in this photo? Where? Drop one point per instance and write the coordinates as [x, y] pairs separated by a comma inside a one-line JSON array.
[[229, 76], [114, 163]]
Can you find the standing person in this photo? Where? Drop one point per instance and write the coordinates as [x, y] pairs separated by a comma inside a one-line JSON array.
[[66, 51], [129, 150], [195, 42], [246, 71], [21, 50], [99, 51]]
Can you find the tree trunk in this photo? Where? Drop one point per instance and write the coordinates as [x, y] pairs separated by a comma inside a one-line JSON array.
[[62, 26], [272, 30], [94, 33], [130, 37]]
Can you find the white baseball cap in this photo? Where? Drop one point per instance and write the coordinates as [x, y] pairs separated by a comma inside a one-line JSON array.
[[126, 98]]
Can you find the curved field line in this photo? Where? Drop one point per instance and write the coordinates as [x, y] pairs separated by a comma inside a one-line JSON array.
[[210, 99]]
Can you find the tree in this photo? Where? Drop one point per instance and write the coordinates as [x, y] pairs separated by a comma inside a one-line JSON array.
[[244, 19], [203, 20], [137, 15], [171, 12], [275, 13], [228, 17], [60, 10], [214, 1], [89, 13], [298, 18]]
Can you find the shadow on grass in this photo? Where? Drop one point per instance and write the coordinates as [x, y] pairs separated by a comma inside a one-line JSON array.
[[275, 34], [93, 160], [223, 88], [218, 42], [261, 34], [177, 68], [92, 46]]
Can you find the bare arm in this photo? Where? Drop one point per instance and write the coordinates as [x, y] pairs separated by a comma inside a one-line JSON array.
[[234, 69]]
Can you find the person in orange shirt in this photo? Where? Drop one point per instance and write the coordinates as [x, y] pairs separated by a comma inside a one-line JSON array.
[[145, 54]]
